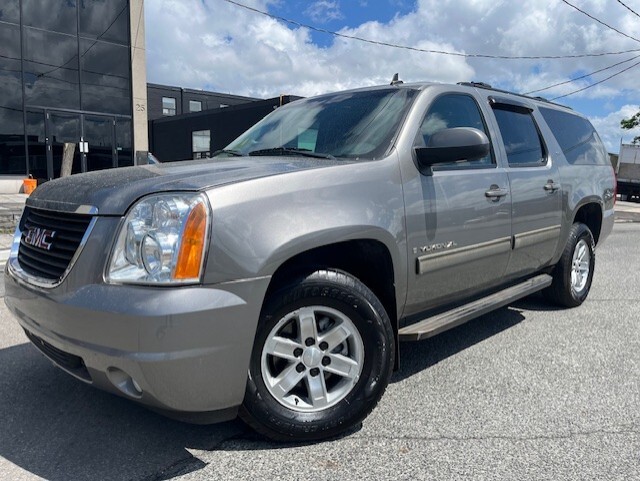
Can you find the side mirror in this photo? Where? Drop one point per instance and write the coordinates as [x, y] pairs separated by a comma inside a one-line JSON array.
[[451, 145]]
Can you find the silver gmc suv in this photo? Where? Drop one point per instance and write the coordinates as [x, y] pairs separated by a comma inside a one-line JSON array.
[[276, 280]]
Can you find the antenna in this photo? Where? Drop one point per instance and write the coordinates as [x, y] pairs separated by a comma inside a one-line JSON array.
[[395, 80]]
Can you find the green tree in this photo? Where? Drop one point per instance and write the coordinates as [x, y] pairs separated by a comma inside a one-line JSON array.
[[630, 123]]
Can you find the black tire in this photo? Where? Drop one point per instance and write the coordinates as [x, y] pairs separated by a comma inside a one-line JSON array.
[[563, 291], [342, 296]]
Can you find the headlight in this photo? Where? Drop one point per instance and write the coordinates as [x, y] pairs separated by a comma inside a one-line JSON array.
[[163, 240]]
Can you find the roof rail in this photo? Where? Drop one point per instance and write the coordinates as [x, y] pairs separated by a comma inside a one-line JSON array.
[[483, 85]]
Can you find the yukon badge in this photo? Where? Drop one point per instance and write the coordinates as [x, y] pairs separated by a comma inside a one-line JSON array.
[[40, 238], [435, 247]]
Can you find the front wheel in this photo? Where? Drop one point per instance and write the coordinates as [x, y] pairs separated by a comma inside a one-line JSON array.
[[322, 358], [573, 274]]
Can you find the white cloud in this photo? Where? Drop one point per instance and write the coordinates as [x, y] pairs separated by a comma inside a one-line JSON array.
[[213, 44], [324, 10], [609, 127]]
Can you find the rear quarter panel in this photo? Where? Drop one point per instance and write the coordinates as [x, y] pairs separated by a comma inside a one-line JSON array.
[[581, 184]]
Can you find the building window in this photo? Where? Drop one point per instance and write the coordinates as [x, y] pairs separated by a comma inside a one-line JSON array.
[[195, 106], [168, 106], [201, 144]]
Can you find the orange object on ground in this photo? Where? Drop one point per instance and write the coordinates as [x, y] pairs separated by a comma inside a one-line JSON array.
[[29, 185]]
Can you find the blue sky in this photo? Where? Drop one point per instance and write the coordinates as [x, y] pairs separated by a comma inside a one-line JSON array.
[[334, 15], [215, 45]]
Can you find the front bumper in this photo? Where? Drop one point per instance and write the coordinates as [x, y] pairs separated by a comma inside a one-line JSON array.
[[182, 350]]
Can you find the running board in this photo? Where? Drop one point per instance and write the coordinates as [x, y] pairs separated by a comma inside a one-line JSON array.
[[435, 325]]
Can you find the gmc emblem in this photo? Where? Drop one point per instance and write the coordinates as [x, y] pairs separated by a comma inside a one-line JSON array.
[[40, 238]]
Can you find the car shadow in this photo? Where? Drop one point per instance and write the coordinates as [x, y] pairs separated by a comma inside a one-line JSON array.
[[59, 428], [420, 355]]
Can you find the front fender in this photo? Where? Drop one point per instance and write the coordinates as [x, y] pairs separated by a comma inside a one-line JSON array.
[[260, 224]]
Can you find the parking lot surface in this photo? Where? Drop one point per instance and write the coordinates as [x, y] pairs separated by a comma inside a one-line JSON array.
[[527, 392]]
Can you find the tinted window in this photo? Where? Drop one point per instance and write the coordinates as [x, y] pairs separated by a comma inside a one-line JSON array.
[[12, 153], [520, 136], [57, 15], [576, 136], [105, 20], [10, 11], [51, 69], [449, 111], [123, 142], [10, 72], [105, 77], [37, 145]]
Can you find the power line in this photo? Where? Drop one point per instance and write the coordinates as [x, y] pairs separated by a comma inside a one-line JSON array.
[[416, 49], [582, 76], [625, 6], [597, 83], [600, 21]]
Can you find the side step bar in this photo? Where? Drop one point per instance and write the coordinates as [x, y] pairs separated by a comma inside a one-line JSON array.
[[435, 325]]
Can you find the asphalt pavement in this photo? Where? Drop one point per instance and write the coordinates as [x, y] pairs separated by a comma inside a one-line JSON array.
[[528, 392]]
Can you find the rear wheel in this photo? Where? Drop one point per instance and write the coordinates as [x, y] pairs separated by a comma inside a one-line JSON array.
[[573, 274], [322, 359]]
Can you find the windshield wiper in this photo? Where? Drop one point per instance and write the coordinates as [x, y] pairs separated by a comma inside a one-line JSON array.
[[291, 151], [234, 153]]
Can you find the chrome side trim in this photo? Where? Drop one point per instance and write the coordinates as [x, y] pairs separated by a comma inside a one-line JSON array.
[[441, 260], [23, 277], [538, 236]]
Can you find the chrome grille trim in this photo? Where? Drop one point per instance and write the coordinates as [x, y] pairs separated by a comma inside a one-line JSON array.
[[21, 275]]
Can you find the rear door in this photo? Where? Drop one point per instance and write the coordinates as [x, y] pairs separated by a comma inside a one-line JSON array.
[[458, 218], [536, 192]]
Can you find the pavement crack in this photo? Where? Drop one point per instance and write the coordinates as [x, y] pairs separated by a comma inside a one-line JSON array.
[[189, 463], [542, 437]]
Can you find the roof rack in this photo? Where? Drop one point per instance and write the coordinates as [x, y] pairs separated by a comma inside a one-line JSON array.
[[483, 85]]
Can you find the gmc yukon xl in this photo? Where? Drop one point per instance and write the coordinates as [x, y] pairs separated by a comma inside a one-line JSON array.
[[276, 280]]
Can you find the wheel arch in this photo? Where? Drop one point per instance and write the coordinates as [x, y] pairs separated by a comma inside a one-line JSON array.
[[590, 214], [367, 259]]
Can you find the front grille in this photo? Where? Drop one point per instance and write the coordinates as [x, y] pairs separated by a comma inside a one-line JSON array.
[[73, 364], [55, 238]]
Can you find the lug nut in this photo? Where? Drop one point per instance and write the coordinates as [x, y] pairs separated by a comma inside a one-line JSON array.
[[314, 372], [309, 341], [297, 352], [326, 360], [323, 345], [300, 367]]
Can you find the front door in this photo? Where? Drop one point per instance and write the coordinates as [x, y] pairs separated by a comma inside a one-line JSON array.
[[458, 218], [63, 134], [99, 148], [78, 143]]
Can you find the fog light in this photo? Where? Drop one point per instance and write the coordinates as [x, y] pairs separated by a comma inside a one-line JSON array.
[[124, 383], [136, 386]]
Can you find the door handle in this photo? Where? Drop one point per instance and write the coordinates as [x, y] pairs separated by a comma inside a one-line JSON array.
[[495, 192], [551, 186]]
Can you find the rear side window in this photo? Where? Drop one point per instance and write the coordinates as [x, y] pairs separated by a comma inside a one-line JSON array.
[[520, 137], [576, 136]]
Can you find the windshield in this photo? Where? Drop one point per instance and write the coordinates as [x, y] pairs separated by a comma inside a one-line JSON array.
[[350, 125]]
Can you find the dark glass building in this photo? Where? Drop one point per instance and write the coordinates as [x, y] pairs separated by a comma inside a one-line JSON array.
[[65, 78]]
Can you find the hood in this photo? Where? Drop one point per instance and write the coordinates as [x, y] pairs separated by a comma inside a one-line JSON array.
[[111, 192]]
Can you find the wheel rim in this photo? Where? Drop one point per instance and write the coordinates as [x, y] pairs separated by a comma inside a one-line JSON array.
[[580, 266], [312, 359]]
